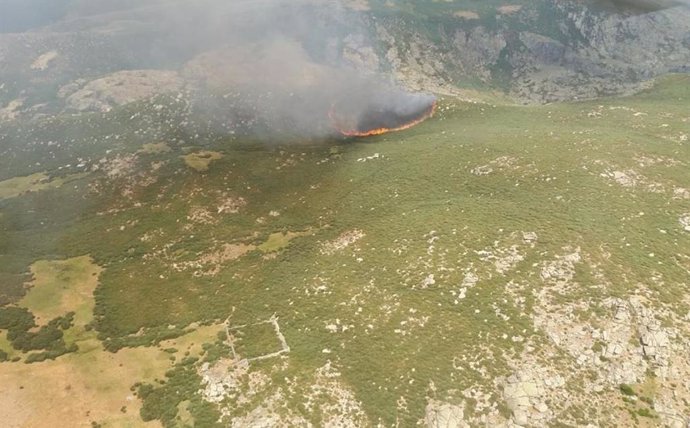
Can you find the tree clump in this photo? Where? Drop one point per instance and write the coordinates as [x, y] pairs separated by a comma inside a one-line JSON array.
[[49, 339]]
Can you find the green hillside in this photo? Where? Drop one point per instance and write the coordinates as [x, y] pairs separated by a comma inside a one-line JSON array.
[[434, 265]]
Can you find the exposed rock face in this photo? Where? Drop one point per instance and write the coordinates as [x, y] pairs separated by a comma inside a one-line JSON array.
[[525, 393], [444, 415], [544, 49], [605, 54], [563, 51], [478, 50], [418, 64]]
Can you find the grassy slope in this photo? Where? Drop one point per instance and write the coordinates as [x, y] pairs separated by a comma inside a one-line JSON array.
[[423, 212]]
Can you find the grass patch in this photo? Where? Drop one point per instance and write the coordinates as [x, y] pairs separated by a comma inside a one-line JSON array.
[[278, 241], [39, 181], [6, 346], [256, 340], [626, 389], [61, 286], [155, 148], [200, 161], [191, 344]]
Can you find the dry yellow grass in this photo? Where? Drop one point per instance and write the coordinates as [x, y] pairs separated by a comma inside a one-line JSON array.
[[79, 388], [358, 5], [91, 385]]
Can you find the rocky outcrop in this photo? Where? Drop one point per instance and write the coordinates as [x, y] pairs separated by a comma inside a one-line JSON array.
[[478, 50], [122, 88], [525, 394], [603, 54], [559, 51], [11, 110], [415, 61], [444, 415]]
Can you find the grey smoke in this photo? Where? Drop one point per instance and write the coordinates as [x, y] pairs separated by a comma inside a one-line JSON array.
[[277, 62], [257, 66], [269, 67]]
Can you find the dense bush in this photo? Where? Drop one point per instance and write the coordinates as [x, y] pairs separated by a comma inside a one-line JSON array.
[[16, 319], [49, 338], [37, 357], [46, 337]]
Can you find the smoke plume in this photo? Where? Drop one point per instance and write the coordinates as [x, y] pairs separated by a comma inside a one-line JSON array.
[[268, 68], [278, 67]]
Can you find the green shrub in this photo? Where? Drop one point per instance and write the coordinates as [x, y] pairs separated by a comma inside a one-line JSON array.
[[645, 413], [627, 389], [49, 338], [16, 319]]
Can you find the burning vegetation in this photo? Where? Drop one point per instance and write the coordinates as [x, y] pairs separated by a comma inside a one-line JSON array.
[[394, 111]]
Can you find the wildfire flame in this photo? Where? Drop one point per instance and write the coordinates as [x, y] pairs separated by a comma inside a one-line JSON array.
[[378, 131]]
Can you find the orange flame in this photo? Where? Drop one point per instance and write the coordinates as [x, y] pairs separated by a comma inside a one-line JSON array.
[[378, 131]]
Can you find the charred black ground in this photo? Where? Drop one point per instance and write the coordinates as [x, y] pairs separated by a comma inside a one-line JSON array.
[[381, 112], [378, 118]]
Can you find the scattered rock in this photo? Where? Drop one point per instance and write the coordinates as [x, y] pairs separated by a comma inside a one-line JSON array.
[[628, 178], [444, 415], [529, 237], [685, 222], [428, 281], [523, 393], [343, 241], [561, 270]]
